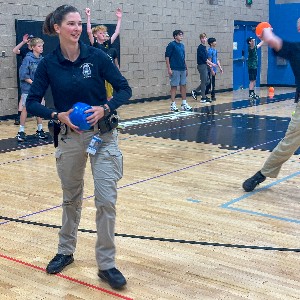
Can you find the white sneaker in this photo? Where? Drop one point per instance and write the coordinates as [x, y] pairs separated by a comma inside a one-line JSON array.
[[21, 136], [174, 107], [186, 107]]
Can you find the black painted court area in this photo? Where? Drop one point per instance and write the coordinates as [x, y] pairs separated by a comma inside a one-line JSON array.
[[11, 144], [213, 124], [210, 124]]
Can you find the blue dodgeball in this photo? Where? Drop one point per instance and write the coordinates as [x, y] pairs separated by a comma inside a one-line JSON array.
[[78, 117]]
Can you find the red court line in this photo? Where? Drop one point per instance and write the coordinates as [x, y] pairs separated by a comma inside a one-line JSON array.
[[66, 277]]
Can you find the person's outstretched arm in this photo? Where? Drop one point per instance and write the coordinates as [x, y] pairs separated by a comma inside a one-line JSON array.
[[16, 50], [117, 31], [89, 26], [260, 44]]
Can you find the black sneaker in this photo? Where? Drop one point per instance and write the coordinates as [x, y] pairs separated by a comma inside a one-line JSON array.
[[58, 263], [251, 183], [256, 96], [17, 121], [253, 96], [213, 98], [194, 94], [205, 99], [114, 278], [21, 136], [40, 134]]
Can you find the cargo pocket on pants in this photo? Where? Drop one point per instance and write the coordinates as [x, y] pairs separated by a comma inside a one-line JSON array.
[[116, 159], [57, 154]]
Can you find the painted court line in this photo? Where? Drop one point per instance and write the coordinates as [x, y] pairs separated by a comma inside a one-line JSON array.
[[157, 176], [95, 287], [229, 204], [193, 200]]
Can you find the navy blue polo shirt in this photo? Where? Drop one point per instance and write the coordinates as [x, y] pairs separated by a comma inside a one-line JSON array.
[[176, 53], [79, 81]]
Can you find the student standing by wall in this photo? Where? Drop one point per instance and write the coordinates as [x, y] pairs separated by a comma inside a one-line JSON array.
[[212, 54], [177, 70], [26, 75], [21, 50], [252, 63], [99, 38], [202, 63]]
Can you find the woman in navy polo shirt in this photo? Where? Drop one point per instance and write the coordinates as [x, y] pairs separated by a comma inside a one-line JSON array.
[[77, 73]]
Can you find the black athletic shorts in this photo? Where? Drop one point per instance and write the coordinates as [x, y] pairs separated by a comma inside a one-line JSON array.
[[252, 74]]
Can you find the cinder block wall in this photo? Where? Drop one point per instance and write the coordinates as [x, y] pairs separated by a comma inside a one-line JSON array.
[[147, 28]]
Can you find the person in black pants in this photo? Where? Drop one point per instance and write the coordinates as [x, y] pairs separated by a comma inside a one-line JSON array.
[[212, 71]]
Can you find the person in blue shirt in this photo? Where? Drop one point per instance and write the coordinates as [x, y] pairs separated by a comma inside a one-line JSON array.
[[177, 70], [212, 55], [76, 73]]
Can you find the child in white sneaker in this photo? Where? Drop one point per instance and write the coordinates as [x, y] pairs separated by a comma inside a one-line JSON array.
[[212, 54], [177, 70], [26, 74], [252, 62]]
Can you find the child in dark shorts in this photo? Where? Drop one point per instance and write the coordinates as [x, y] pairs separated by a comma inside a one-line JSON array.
[[252, 62]]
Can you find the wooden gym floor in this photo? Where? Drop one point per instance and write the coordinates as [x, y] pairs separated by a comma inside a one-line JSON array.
[[185, 228]]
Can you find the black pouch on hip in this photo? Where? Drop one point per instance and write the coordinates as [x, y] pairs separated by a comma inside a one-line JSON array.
[[54, 130], [108, 123]]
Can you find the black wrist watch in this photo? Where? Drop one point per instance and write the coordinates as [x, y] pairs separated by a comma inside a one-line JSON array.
[[106, 110], [55, 116]]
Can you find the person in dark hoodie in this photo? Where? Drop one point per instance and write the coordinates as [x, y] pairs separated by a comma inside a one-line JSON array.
[[26, 75]]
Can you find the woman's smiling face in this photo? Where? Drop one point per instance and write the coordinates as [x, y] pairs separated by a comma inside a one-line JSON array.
[[70, 28]]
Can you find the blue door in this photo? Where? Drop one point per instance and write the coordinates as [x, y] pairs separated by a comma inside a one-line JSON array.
[[243, 30]]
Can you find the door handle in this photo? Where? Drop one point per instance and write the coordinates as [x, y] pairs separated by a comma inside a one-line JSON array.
[[239, 59]]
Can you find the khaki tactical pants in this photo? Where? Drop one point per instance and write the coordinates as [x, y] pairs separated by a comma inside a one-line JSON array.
[[286, 147], [107, 169]]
